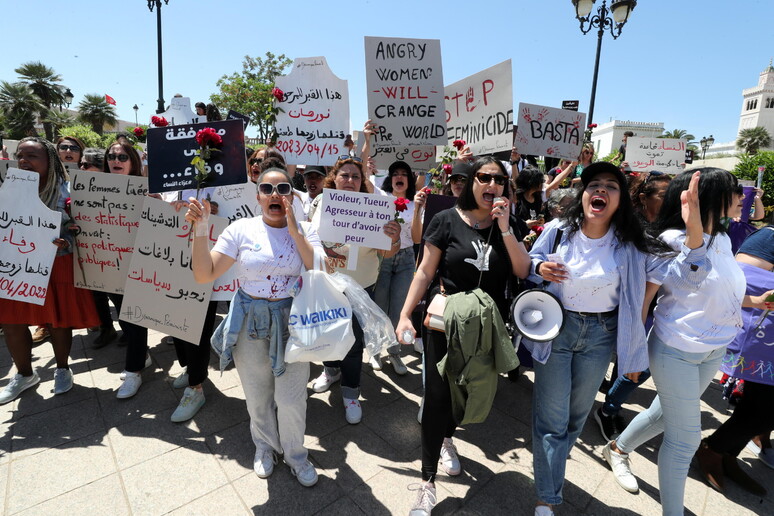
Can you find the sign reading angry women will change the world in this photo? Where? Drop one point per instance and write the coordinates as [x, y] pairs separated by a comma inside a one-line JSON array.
[[547, 131]]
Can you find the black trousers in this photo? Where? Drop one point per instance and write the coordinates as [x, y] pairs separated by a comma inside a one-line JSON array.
[[196, 357], [754, 415], [103, 308], [136, 337]]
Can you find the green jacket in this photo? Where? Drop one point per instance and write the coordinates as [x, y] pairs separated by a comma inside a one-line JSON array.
[[479, 348]]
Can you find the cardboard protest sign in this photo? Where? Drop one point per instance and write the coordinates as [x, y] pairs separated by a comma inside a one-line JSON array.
[[479, 110], [5, 164], [315, 121], [180, 113], [27, 230], [106, 208], [420, 158], [662, 154], [547, 131], [355, 218], [405, 91], [161, 293], [171, 149]]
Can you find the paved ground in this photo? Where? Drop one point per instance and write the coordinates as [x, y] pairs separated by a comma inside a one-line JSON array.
[[87, 452]]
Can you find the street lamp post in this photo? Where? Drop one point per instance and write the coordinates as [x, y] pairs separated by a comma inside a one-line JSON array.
[[706, 143], [67, 99], [620, 9], [136, 109], [157, 5]]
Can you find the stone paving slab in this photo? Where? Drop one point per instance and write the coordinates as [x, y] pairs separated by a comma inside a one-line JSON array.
[[87, 452]]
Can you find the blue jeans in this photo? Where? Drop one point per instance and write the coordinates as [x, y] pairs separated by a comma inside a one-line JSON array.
[[680, 379], [392, 285], [620, 392], [563, 395]]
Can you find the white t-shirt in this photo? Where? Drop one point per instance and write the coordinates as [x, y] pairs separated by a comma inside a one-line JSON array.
[[594, 282], [710, 317], [405, 228], [268, 261]]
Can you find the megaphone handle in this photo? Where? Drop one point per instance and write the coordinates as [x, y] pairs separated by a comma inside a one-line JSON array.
[[557, 238]]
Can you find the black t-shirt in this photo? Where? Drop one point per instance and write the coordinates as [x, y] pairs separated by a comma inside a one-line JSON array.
[[464, 251], [529, 210], [622, 151]]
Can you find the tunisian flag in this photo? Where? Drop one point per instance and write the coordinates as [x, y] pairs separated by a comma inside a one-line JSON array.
[[109, 99]]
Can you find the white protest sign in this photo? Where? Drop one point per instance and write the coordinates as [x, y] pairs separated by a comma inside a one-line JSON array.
[[662, 154], [106, 208], [405, 91], [420, 158], [315, 121], [27, 230], [179, 112], [547, 131], [161, 293], [479, 110], [355, 218]]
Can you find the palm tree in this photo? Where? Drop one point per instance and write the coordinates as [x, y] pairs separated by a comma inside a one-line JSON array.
[[58, 119], [95, 111], [19, 107], [44, 83], [752, 139], [678, 134]]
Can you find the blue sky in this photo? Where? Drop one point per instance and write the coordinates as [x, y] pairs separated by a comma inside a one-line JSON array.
[[683, 62]]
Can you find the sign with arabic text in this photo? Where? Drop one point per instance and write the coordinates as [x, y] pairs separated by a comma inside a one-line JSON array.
[[479, 110], [663, 154], [404, 78], [355, 218], [551, 132], [161, 293], [27, 230], [420, 158], [106, 208], [314, 117], [171, 149]]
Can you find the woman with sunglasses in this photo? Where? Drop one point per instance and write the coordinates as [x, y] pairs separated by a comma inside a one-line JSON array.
[[585, 159], [70, 150], [347, 174], [694, 321], [476, 244], [65, 307], [271, 252]]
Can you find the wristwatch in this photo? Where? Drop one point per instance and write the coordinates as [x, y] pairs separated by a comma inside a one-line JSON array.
[[506, 233]]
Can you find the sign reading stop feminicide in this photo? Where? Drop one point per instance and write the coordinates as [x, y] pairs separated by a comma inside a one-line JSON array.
[[355, 218]]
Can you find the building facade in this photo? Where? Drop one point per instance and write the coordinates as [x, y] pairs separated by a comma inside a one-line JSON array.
[[608, 137]]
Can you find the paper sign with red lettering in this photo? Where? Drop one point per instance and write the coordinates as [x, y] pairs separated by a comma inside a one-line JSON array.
[[314, 120], [106, 208], [161, 293], [354, 218], [479, 110], [551, 132], [662, 154], [420, 158], [27, 230], [404, 78]]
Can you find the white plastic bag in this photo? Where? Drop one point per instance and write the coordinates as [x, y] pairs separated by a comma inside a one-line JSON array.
[[320, 320]]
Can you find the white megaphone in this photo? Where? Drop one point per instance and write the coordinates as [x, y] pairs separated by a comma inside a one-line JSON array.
[[538, 315]]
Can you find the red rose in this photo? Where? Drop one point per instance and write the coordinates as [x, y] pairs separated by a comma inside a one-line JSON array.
[[68, 206], [427, 190], [447, 168], [139, 132], [208, 137], [458, 144], [278, 94], [159, 121], [401, 204]]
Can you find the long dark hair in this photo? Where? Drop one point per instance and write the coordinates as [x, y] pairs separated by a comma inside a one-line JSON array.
[[466, 200], [716, 191], [411, 188]]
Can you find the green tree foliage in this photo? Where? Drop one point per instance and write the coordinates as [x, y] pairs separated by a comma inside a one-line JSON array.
[[96, 112], [678, 134], [58, 119], [45, 85], [19, 107], [747, 168], [752, 139], [87, 135], [249, 91]]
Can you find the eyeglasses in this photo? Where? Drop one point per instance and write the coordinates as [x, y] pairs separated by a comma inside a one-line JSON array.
[[458, 179], [345, 157], [86, 164], [256, 161], [118, 157], [280, 188], [72, 148], [485, 178]]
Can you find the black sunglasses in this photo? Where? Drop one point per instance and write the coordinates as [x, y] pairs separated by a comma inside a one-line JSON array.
[[86, 164], [485, 178], [345, 157], [72, 148], [280, 188], [458, 179], [256, 161], [120, 157]]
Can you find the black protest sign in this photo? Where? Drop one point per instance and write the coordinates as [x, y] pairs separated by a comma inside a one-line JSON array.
[[233, 115], [171, 150]]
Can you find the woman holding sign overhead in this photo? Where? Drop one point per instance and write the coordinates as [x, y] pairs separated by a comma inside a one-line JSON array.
[[66, 307]]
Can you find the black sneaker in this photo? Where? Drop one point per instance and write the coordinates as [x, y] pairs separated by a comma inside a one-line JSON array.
[[609, 426]]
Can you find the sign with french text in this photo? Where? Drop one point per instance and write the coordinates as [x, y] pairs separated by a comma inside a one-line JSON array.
[[404, 78], [27, 230], [314, 118], [479, 110], [663, 154], [355, 218], [161, 293], [550, 132], [171, 149], [106, 208]]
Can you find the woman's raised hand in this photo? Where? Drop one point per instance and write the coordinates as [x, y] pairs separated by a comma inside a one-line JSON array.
[[198, 213], [690, 211]]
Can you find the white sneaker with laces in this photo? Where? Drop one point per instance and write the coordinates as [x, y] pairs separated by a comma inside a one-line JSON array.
[[397, 364], [306, 474], [450, 461], [63, 380], [352, 411], [17, 385], [622, 472], [263, 463], [425, 501], [148, 363], [323, 382], [190, 403], [376, 362], [131, 385]]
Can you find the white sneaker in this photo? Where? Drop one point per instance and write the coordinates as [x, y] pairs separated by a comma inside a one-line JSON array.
[[419, 346], [17, 385], [131, 385], [263, 463], [376, 362], [421, 409], [622, 472], [543, 510], [352, 411], [63, 380], [190, 403], [181, 382], [323, 382], [306, 474], [397, 364], [450, 461], [148, 363], [425, 501]]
